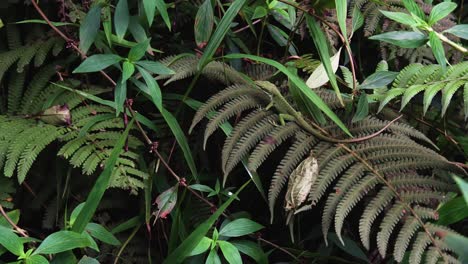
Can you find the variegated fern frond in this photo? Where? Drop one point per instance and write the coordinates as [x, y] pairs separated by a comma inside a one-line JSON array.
[[400, 180]]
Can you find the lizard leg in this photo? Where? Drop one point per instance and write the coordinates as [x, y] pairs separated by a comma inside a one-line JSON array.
[[285, 117]]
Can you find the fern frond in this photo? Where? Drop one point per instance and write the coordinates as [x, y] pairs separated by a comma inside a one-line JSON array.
[[27, 56], [392, 217], [15, 91], [35, 87]]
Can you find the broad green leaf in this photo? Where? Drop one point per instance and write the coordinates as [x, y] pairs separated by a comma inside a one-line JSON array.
[[13, 215], [240, 227], [259, 12], [88, 260], [138, 51], [453, 211], [11, 241], [93, 245], [62, 241], [121, 18], [64, 257], [362, 110], [404, 39], [281, 38], [378, 80], [137, 30], [358, 19], [463, 185], [154, 90], [252, 250], [321, 44], [120, 94], [213, 258], [220, 32], [75, 213], [204, 21], [101, 184], [414, 8], [459, 244], [97, 62], [150, 8], [230, 252], [107, 24], [36, 259], [438, 49], [320, 77], [440, 11], [187, 246], [341, 14], [90, 27], [400, 17], [162, 9], [460, 31], [201, 188], [313, 97], [127, 70], [155, 67], [101, 233], [202, 246]]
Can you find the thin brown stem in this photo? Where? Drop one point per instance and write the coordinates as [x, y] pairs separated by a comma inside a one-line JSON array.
[[21, 231]]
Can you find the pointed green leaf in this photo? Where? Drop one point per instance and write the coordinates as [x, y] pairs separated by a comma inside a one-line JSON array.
[[138, 51], [155, 67], [36, 259], [452, 211], [101, 233], [400, 17], [230, 252], [240, 227], [97, 62], [120, 94], [107, 24], [13, 215], [404, 39], [362, 110], [62, 241], [440, 11], [127, 70], [121, 18], [88, 260], [99, 188], [220, 32], [414, 8], [321, 44], [438, 50], [259, 12], [213, 257], [204, 21], [153, 87], [90, 27], [202, 246], [11, 241], [358, 19], [378, 80], [252, 250], [341, 14], [460, 31], [150, 8]]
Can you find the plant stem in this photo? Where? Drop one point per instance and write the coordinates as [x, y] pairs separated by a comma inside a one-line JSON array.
[[21, 231]]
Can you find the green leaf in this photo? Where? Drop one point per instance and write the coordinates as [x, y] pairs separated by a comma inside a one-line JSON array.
[[378, 80], [101, 184], [240, 227], [150, 8], [362, 109], [11, 241], [358, 19], [154, 90], [414, 8], [400, 17], [321, 44], [252, 250], [161, 6], [459, 244], [36, 259], [155, 67], [230, 252], [204, 21], [220, 32], [107, 24], [97, 62], [349, 247], [202, 246], [460, 31], [341, 14], [90, 27], [259, 12], [320, 77], [438, 49], [101, 233], [128, 70], [75, 213], [88, 260], [138, 51], [201, 188], [137, 30], [13, 215], [213, 258], [313, 97], [120, 94], [41, 21], [440, 11], [452, 211], [187, 246], [404, 39], [62, 241], [121, 18], [463, 185]]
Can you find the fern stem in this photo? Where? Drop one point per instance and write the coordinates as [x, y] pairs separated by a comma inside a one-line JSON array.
[[397, 195]]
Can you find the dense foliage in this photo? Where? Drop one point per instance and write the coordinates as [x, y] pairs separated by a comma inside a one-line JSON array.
[[242, 131]]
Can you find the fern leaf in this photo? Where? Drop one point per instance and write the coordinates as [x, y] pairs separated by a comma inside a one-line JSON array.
[[39, 81], [27, 56], [392, 217], [15, 91], [42, 52]]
